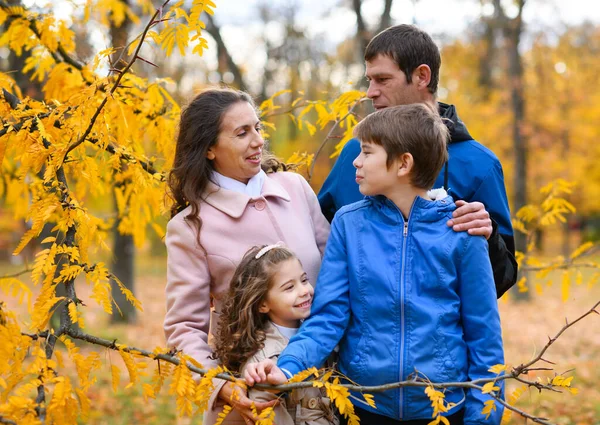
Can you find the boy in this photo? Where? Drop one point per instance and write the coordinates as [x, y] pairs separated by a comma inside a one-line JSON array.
[[399, 291]]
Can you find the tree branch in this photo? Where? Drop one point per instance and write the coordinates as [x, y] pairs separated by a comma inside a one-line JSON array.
[[519, 369], [330, 136], [64, 56], [17, 274], [86, 133], [6, 421]]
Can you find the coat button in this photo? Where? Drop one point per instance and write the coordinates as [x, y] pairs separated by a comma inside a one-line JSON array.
[[449, 364], [312, 403], [259, 205]]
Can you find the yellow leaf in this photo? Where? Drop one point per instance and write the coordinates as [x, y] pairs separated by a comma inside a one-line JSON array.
[[522, 284], [565, 286], [489, 387], [489, 407], [499, 368], [581, 250], [116, 377]]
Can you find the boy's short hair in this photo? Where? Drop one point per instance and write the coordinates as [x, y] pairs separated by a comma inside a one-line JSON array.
[[409, 47], [416, 129]]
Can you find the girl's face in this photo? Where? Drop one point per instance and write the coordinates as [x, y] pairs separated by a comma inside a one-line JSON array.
[[238, 151], [290, 296]]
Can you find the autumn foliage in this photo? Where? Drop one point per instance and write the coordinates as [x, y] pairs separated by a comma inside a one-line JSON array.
[[94, 135]]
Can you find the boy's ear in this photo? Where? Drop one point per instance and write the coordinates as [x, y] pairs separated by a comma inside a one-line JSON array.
[[405, 164]]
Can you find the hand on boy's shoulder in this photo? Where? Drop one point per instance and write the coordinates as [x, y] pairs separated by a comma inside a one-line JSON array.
[[471, 217]]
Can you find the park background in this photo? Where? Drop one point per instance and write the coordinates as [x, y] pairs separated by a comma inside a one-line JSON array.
[[523, 75]]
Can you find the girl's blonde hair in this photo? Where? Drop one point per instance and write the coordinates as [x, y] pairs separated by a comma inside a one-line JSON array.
[[241, 331]]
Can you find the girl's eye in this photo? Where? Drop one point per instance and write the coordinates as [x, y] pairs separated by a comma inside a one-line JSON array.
[[242, 134], [305, 280], [288, 288]]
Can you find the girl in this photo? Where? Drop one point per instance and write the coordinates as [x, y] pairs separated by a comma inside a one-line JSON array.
[[269, 296]]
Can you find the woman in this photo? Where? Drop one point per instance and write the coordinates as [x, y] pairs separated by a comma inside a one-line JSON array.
[[229, 195]]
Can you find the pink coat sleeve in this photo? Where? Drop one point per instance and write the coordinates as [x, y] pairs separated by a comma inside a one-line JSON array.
[[320, 224], [187, 319]]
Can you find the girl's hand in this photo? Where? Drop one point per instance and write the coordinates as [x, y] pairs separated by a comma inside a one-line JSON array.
[[242, 403], [264, 372]]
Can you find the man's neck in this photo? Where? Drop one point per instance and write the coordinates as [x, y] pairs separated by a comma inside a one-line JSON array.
[[403, 196]]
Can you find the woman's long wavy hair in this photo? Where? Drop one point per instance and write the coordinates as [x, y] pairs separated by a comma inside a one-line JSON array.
[[241, 331], [199, 129]]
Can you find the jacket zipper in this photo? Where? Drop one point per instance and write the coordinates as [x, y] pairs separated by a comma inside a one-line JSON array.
[[402, 337], [402, 284]]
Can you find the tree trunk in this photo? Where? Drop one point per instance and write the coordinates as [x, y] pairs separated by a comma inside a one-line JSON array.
[[513, 29], [123, 248], [215, 33]]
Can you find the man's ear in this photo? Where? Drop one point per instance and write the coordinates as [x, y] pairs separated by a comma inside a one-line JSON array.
[[421, 76], [405, 164]]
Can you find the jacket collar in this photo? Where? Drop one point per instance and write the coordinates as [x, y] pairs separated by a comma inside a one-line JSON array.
[[458, 130], [424, 210], [234, 203]]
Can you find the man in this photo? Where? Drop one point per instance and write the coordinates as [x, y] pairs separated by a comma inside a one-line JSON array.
[[402, 67]]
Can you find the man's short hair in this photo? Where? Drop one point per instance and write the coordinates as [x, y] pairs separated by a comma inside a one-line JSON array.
[[409, 47], [416, 129]]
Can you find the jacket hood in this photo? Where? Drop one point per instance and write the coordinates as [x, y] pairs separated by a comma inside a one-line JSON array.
[[458, 130]]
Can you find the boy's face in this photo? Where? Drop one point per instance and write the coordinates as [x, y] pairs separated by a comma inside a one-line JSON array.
[[372, 173]]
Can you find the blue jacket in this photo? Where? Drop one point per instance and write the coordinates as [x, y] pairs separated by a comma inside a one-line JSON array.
[[401, 297], [474, 173]]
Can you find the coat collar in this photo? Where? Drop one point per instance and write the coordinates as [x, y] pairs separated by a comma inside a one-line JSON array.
[[275, 341], [234, 203]]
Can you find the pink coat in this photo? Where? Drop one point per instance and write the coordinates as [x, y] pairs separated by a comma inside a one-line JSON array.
[[287, 211]]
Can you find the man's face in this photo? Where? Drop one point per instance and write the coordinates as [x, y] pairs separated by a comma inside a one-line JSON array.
[[387, 84]]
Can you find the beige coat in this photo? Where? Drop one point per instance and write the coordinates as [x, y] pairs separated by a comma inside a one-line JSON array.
[[307, 406], [232, 222]]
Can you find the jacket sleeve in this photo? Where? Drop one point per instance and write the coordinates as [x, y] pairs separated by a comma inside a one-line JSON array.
[[502, 257], [481, 326], [339, 188], [187, 320], [330, 313], [492, 193], [320, 224]]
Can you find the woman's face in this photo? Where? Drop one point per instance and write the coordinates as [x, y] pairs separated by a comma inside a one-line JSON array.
[[238, 151]]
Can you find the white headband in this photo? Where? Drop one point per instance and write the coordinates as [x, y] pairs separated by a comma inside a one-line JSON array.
[[267, 248]]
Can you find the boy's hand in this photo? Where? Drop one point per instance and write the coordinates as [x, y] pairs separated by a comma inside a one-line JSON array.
[[264, 372], [472, 217]]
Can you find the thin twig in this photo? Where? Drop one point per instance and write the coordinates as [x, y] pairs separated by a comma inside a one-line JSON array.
[[64, 56], [563, 266], [8, 276], [87, 131], [329, 136], [551, 341]]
